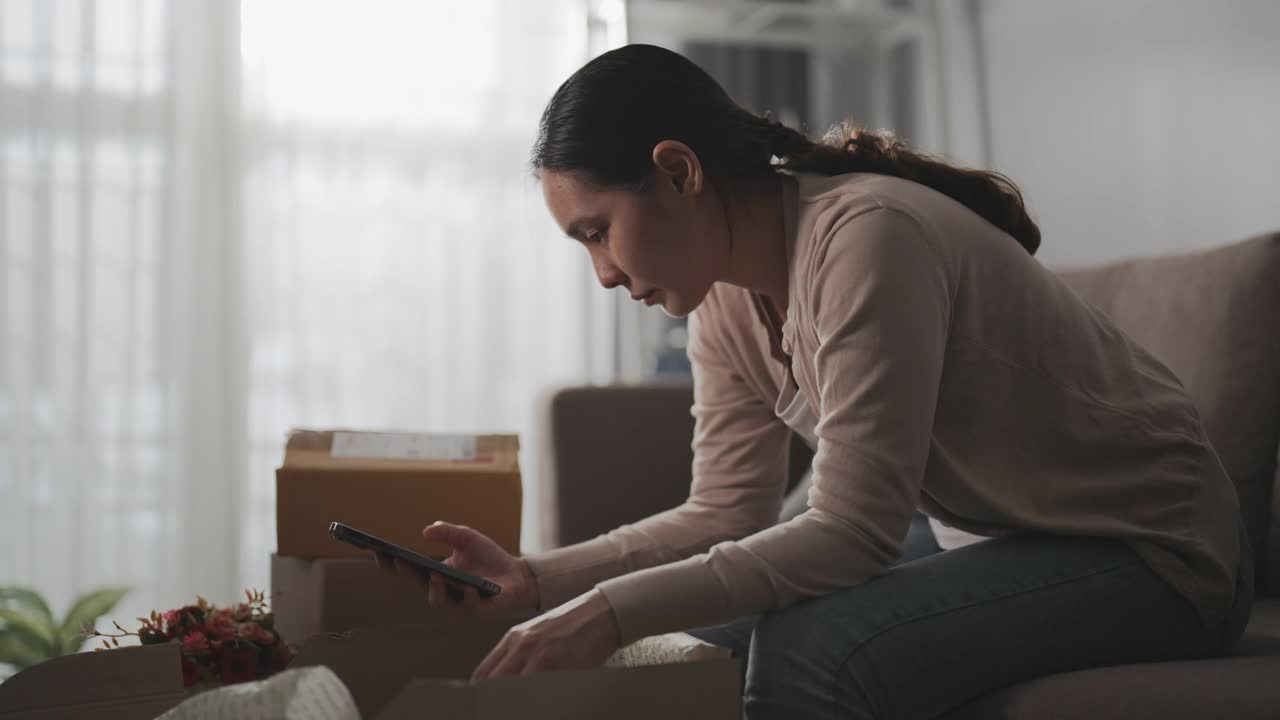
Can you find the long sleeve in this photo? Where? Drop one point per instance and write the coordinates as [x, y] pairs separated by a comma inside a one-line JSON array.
[[738, 480], [880, 307]]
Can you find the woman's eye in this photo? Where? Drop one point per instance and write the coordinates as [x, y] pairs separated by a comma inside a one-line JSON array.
[[597, 237]]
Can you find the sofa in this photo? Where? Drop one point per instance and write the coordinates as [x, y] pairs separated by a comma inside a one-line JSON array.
[[612, 455]]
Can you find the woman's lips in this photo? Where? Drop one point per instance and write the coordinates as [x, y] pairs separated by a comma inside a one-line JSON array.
[[651, 297]]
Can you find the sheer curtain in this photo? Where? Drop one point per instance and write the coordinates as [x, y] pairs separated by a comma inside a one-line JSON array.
[[218, 222]]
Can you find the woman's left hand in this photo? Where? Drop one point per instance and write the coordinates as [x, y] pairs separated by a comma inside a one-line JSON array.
[[579, 635]]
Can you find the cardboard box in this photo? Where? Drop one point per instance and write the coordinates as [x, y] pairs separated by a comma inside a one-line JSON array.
[[393, 673], [410, 673], [311, 597], [392, 485], [132, 683]]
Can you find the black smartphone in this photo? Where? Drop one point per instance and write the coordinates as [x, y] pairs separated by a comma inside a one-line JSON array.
[[364, 540]]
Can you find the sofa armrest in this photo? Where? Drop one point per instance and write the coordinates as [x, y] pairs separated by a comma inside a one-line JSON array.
[[612, 455]]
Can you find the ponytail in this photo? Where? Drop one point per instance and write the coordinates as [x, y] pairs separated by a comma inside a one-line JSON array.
[[848, 149]]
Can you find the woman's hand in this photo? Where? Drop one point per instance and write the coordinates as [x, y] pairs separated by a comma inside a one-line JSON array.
[[579, 635], [473, 553]]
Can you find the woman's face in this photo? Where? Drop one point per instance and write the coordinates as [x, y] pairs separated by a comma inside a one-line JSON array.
[[665, 246]]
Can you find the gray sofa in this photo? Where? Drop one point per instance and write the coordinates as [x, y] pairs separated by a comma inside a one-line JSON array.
[[613, 455]]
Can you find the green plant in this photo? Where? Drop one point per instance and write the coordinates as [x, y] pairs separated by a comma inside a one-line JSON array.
[[30, 634]]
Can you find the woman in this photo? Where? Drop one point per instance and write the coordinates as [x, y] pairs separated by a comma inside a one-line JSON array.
[[887, 307]]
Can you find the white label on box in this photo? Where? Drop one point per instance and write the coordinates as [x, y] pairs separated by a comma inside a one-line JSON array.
[[403, 446]]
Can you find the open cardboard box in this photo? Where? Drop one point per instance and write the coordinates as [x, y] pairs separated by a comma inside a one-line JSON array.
[[131, 683], [414, 672], [392, 485], [393, 673], [419, 669]]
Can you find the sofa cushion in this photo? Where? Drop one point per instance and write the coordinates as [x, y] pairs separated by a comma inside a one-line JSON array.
[[1242, 686], [1213, 318], [1262, 636]]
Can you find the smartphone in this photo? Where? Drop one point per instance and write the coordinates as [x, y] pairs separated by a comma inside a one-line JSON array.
[[364, 540]]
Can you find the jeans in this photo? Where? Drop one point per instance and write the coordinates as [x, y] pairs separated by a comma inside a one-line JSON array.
[[942, 628]]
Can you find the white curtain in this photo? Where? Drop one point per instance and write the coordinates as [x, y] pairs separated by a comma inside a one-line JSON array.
[[218, 222]]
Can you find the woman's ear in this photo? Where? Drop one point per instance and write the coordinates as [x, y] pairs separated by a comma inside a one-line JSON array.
[[678, 167]]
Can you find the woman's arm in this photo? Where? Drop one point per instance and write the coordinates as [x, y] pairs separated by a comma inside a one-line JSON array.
[[739, 474]]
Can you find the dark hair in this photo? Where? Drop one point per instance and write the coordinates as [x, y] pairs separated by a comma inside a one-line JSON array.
[[604, 121]]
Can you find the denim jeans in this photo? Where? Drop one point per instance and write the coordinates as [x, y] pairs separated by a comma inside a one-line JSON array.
[[942, 628]]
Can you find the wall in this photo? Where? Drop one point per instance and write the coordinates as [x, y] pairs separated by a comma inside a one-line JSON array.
[[1134, 126]]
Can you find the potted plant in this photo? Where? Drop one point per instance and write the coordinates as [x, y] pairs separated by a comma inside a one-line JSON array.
[[30, 634]]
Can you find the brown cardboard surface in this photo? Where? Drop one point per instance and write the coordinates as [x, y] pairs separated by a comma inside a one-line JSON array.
[[131, 683], [704, 690], [398, 673], [314, 596], [393, 498], [312, 449], [375, 663]]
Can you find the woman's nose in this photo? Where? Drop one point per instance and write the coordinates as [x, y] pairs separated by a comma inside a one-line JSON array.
[[610, 276]]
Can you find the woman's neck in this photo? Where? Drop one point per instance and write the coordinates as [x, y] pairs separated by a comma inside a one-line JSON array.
[[757, 242]]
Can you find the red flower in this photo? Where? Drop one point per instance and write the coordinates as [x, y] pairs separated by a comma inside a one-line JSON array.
[[177, 623], [253, 632], [238, 665], [220, 626], [241, 612], [191, 614], [190, 673], [170, 621], [195, 643]]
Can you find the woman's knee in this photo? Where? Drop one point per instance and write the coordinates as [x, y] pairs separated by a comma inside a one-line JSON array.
[[823, 655], [792, 666], [784, 641], [803, 665]]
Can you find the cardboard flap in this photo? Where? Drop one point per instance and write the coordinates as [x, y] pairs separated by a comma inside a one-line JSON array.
[[121, 675], [423, 698], [414, 672], [679, 691], [375, 663], [390, 451]]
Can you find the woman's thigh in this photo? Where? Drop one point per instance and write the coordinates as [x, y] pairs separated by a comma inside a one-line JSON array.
[[939, 631], [736, 635]]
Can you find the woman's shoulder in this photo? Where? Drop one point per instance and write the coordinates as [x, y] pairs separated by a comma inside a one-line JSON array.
[[855, 213], [841, 197], [864, 211]]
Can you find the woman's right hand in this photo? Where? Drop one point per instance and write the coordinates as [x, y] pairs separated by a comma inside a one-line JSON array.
[[474, 553]]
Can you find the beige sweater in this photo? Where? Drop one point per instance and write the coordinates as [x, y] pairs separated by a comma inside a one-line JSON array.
[[934, 364]]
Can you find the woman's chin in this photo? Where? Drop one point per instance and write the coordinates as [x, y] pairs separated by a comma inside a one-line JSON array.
[[681, 305], [673, 307]]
